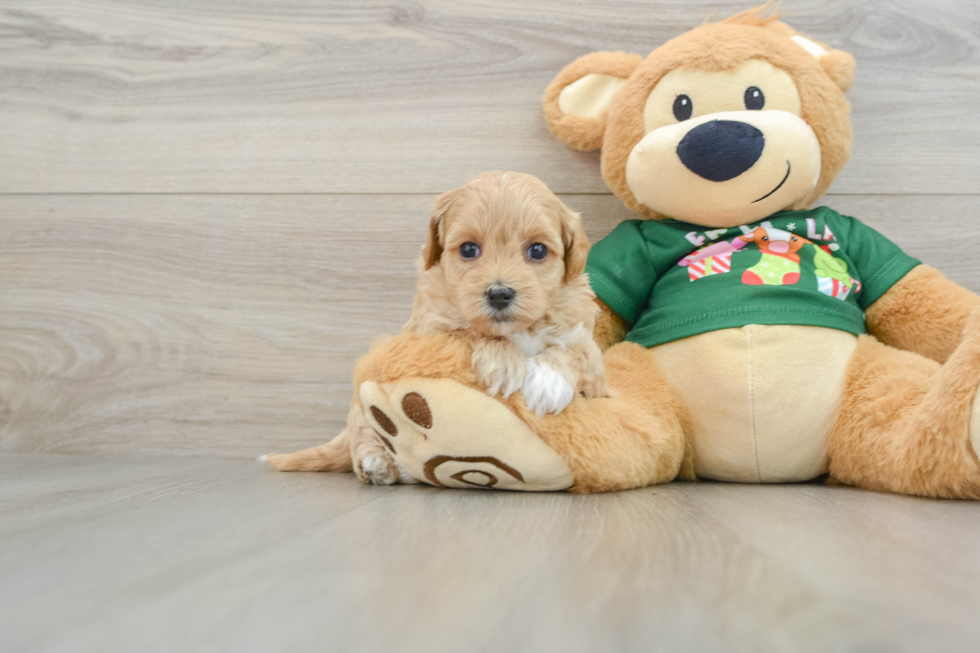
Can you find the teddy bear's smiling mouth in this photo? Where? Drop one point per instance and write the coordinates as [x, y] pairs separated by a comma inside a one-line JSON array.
[[788, 169]]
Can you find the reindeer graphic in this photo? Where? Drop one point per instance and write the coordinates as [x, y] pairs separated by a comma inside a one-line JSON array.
[[780, 262]]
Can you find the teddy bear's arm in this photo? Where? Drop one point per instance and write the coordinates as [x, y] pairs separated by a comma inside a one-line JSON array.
[[609, 327], [924, 313]]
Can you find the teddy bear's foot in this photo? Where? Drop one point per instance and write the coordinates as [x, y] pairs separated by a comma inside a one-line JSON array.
[[446, 434], [908, 424]]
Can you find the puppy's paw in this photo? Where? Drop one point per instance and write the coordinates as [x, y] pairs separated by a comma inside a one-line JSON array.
[[377, 469], [594, 387], [500, 368], [545, 390]]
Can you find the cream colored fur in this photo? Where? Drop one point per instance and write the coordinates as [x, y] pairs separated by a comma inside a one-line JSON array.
[[589, 96], [638, 436], [503, 213], [465, 416], [975, 428], [762, 398]]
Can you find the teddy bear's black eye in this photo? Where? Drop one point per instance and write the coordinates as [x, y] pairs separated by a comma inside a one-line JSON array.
[[469, 250], [683, 107], [537, 251], [754, 99]]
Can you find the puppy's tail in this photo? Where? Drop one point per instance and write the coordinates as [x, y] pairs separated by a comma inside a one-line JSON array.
[[333, 456]]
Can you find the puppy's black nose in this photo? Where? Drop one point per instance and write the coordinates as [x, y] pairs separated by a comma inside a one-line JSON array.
[[720, 150], [500, 297]]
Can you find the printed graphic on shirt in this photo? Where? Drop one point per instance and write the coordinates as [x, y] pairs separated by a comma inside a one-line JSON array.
[[832, 276], [715, 258], [780, 262]]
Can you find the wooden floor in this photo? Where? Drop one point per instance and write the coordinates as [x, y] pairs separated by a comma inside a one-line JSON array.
[[207, 210], [113, 553]]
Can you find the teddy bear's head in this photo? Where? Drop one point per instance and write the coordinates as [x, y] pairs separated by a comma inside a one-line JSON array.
[[721, 126]]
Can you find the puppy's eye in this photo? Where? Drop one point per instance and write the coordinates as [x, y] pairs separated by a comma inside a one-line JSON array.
[[754, 99], [537, 252], [469, 250], [683, 107]]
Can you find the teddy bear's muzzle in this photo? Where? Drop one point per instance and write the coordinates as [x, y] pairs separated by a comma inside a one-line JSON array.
[[725, 169]]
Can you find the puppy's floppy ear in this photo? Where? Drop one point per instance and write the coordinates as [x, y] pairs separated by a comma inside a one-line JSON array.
[[441, 207], [577, 101], [575, 241]]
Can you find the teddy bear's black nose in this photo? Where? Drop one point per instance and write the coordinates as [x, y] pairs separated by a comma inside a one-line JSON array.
[[720, 150]]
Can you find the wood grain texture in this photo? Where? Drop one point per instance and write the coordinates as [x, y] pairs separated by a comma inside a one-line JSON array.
[[416, 97], [229, 325], [111, 554]]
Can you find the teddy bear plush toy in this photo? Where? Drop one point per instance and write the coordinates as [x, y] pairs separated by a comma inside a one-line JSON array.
[[747, 337]]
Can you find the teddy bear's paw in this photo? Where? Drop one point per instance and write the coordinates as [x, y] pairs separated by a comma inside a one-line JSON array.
[[450, 435], [404, 476], [545, 390]]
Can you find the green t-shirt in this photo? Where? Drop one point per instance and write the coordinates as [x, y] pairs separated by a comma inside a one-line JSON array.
[[671, 280]]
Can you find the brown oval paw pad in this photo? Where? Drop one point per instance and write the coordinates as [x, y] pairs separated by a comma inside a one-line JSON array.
[[417, 409], [387, 443], [476, 477], [469, 475], [384, 421]]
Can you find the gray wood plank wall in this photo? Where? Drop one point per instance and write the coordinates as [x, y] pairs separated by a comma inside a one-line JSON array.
[[207, 210]]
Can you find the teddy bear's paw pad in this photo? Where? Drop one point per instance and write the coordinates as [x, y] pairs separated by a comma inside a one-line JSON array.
[[384, 419], [473, 471], [452, 435], [416, 408]]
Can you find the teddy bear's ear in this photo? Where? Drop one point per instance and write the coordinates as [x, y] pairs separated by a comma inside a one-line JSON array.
[[577, 101], [839, 65]]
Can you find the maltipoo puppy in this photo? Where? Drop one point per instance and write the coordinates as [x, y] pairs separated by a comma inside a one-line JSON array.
[[504, 265]]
